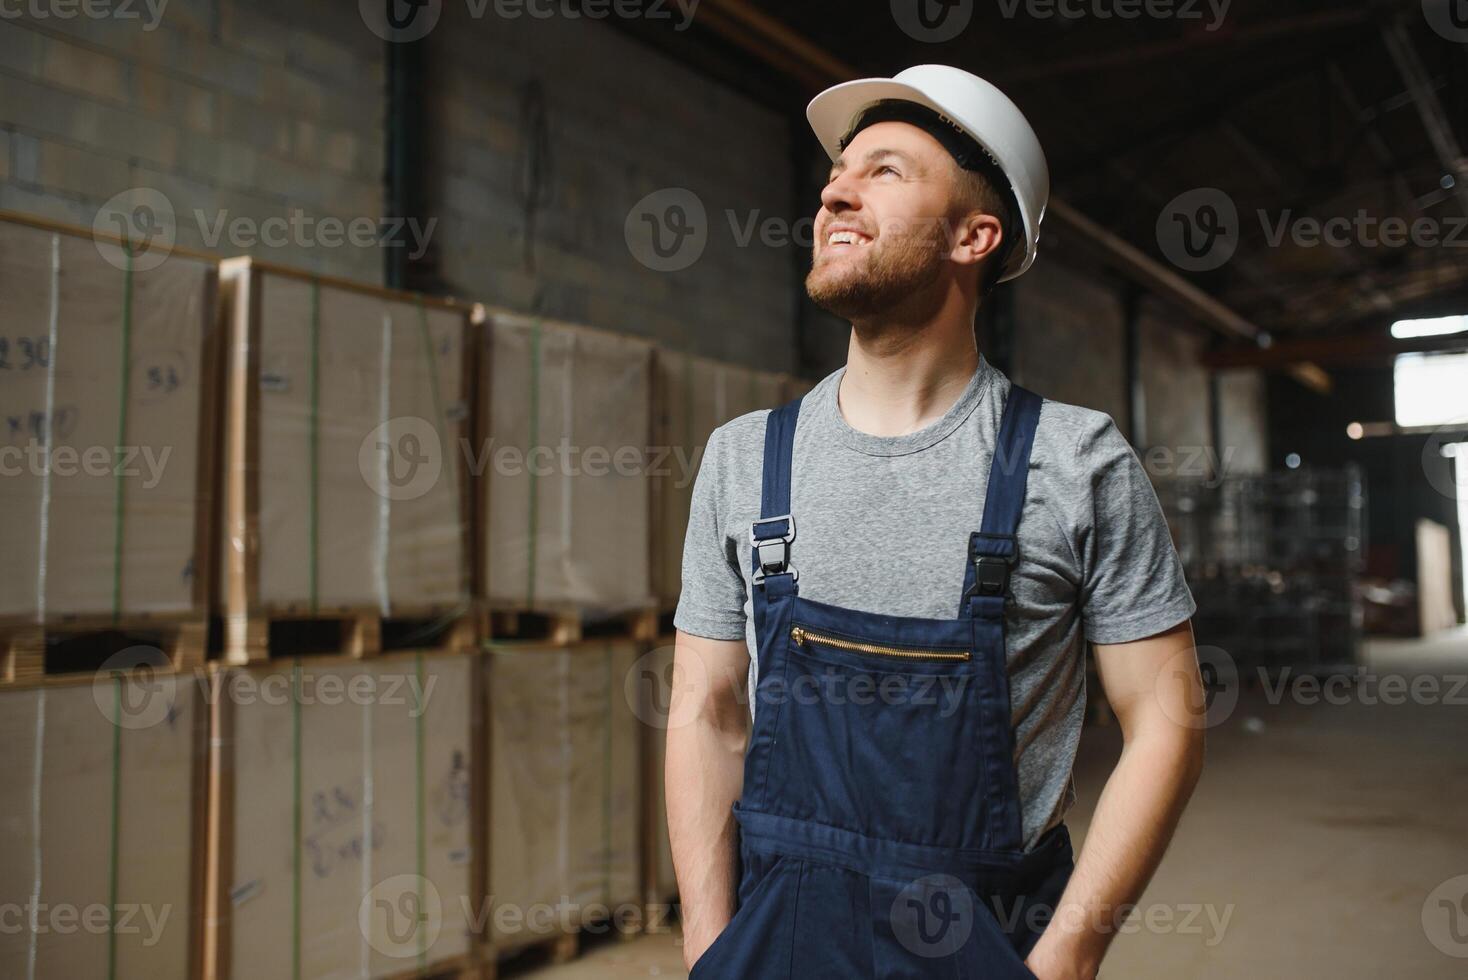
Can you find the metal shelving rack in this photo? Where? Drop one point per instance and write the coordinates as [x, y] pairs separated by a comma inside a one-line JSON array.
[[1273, 561]]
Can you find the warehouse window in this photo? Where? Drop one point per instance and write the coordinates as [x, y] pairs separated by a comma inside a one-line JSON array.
[[1429, 388]]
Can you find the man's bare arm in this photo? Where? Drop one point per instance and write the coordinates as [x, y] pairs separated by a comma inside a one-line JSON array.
[[708, 729], [1154, 687]]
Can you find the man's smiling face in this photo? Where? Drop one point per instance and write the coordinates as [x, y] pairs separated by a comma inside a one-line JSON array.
[[883, 230]]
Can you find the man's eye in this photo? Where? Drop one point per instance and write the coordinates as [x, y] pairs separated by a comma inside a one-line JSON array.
[[886, 169]]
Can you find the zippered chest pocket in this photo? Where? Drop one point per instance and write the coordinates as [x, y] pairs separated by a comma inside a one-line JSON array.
[[806, 637]]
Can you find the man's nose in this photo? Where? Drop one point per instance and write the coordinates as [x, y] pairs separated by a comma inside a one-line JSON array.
[[840, 195]]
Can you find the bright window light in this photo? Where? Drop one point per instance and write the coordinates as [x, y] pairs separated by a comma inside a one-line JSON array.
[[1430, 389], [1435, 327]]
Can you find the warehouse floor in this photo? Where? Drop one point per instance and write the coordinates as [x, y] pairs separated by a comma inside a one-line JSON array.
[[1317, 835]]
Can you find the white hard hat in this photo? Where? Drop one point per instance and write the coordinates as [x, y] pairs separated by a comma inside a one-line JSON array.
[[980, 110]]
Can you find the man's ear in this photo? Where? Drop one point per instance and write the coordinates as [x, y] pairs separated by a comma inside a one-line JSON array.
[[979, 236]]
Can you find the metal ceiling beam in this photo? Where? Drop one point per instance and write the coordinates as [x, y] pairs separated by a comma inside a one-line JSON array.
[[1127, 57], [1353, 348], [777, 44], [1439, 130]]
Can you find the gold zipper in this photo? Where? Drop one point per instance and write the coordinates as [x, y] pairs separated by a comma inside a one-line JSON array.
[[801, 635]]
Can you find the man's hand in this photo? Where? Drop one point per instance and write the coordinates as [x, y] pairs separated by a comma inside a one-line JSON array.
[[708, 728], [1155, 689]]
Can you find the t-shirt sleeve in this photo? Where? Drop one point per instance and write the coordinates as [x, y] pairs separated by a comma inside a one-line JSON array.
[[1133, 585], [712, 601]]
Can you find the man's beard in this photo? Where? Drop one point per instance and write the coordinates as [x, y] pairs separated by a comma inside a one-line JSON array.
[[878, 278]]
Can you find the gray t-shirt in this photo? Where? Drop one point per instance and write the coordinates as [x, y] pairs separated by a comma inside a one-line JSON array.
[[883, 526]]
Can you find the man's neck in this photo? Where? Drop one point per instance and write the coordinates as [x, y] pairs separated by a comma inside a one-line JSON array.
[[900, 379]]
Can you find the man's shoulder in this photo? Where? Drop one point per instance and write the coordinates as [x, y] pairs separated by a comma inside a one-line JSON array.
[[1076, 437]]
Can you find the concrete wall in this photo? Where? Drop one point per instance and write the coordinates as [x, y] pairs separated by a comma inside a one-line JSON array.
[[620, 122], [235, 111], [1174, 384], [1070, 345], [1069, 337], [1244, 406]]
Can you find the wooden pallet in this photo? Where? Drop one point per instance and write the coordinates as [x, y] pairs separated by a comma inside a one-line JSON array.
[[459, 968], [251, 614], [567, 626], [354, 632], [223, 830], [526, 957], [68, 649]]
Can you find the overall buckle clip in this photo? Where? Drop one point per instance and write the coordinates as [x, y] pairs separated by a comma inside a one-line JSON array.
[[773, 551], [992, 572]]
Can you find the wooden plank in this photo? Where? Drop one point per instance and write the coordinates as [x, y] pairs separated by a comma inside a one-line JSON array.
[[249, 607]]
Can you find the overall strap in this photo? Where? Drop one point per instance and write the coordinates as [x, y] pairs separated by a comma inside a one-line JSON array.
[[992, 549], [771, 534]]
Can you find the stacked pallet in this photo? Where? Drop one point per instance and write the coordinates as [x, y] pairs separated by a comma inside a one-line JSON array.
[[658, 875], [567, 529], [380, 795], [346, 492], [565, 755], [107, 360], [103, 806], [343, 795], [694, 395]]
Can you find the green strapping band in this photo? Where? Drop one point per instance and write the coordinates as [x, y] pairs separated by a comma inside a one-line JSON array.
[[122, 397], [422, 831], [534, 484], [606, 797], [314, 438], [296, 820], [443, 429], [116, 817]]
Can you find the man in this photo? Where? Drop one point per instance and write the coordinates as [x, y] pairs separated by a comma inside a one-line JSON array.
[[900, 571]]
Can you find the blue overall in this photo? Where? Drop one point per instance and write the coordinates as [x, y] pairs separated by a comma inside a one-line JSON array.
[[879, 824]]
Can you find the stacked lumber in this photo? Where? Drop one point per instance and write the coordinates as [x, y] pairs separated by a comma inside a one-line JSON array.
[[343, 796], [107, 361], [346, 488], [565, 755], [568, 520], [103, 803]]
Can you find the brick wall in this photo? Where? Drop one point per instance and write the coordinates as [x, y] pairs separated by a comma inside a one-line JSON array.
[[540, 224], [236, 111]]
